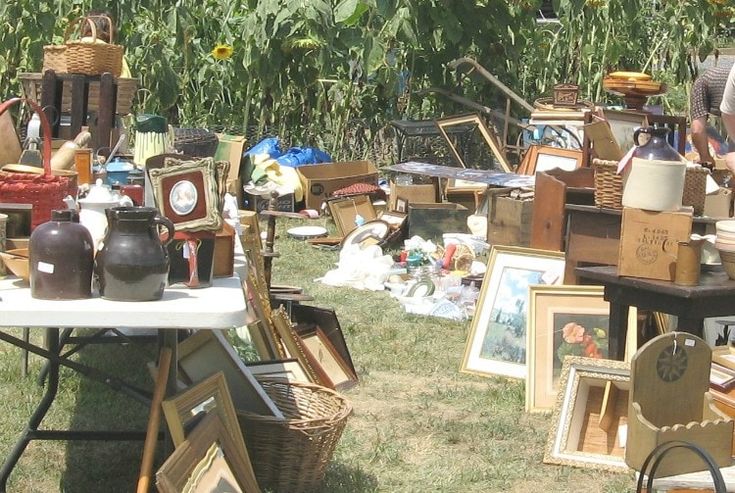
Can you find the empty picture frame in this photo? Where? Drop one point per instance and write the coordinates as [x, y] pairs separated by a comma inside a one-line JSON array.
[[589, 424], [721, 378], [345, 211], [623, 124], [545, 158], [287, 369], [488, 136], [206, 352], [210, 460], [187, 407]]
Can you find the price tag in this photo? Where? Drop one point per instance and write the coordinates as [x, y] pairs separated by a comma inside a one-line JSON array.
[[45, 267]]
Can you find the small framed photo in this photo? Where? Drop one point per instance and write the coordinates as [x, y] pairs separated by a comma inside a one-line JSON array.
[[344, 211], [320, 349], [401, 205], [589, 424], [188, 194], [497, 342]]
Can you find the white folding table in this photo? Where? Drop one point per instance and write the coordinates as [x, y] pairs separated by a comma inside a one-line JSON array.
[[220, 306]]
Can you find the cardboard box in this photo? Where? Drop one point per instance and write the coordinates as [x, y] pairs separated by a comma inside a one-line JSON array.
[[224, 252], [431, 221], [508, 219], [320, 180], [231, 148], [420, 194], [718, 204], [649, 242]]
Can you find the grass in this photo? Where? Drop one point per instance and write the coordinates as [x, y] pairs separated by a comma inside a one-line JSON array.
[[419, 424]]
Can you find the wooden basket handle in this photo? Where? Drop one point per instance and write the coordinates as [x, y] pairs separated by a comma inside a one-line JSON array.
[[89, 19], [46, 151]]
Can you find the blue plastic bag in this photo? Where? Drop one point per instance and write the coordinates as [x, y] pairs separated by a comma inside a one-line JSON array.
[[299, 156], [269, 145]]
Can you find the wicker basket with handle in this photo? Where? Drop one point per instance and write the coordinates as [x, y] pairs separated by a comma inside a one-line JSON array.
[[291, 454], [44, 192], [84, 57]]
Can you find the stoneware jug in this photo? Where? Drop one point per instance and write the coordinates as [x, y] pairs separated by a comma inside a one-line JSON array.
[[61, 258], [132, 262], [655, 178], [92, 209]]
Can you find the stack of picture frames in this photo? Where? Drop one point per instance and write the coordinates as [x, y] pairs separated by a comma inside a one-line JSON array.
[[528, 325], [358, 223], [314, 350]]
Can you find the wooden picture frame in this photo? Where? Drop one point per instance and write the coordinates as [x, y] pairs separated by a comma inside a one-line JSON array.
[[187, 193], [396, 220], [210, 460], [308, 317], [320, 349], [721, 378], [496, 344], [724, 356], [285, 369], [623, 124], [545, 158], [206, 352], [187, 407], [265, 337], [564, 320], [20, 219], [489, 136], [295, 348], [344, 211], [589, 424]]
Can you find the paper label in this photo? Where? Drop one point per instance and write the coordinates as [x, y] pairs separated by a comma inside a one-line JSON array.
[[689, 342], [45, 267], [622, 435], [185, 249]]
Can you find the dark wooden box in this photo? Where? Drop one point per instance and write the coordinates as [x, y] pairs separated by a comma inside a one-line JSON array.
[[431, 221], [508, 219]]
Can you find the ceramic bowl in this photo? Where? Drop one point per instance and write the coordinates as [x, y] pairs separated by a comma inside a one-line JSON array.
[[724, 247], [17, 262], [726, 226], [728, 262]]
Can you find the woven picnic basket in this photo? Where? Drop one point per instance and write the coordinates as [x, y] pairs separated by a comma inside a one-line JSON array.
[[197, 142], [84, 57], [291, 454], [608, 184], [44, 192]]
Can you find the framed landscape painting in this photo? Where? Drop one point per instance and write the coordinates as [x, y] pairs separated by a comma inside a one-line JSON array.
[[497, 341]]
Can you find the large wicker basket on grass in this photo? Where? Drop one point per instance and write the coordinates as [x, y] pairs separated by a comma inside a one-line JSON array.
[[291, 454]]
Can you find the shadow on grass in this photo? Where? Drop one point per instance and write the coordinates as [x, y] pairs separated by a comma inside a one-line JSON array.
[[108, 466], [341, 478]]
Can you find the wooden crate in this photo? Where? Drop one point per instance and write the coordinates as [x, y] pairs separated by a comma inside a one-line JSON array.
[[508, 220]]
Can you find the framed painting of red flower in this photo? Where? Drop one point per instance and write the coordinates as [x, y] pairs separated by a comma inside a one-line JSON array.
[[563, 321]]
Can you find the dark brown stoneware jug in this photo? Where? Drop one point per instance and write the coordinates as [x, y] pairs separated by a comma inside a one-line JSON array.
[[132, 264], [61, 258]]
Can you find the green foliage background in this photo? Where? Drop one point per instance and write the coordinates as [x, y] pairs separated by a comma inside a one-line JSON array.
[[310, 68]]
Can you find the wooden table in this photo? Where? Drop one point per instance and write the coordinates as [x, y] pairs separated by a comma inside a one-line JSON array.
[[593, 236], [713, 297]]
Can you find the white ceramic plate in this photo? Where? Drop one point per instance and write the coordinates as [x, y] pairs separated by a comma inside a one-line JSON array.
[[306, 232]]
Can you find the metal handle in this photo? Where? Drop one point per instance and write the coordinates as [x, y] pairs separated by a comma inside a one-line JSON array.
[[166, 223]]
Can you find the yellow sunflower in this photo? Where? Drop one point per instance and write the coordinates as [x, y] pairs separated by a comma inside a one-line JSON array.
[[222, 52]]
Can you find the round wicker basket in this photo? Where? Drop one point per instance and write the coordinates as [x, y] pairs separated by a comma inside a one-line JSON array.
[[291, 454]]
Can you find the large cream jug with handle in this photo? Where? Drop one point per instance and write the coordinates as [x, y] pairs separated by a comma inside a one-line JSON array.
[[654, 179]]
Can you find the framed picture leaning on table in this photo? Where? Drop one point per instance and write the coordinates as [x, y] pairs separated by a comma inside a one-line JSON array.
[[564, 321], [496, 344]]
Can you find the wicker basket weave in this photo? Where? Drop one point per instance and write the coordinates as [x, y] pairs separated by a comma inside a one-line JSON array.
[[608, 184], [291, 455], [84, 57], [695, 184], [196, 142]]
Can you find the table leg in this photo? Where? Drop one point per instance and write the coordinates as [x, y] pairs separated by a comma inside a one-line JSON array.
[[106, 109], [78, 104], [618, 330], [52, 385], [170, 340], [24, 355], [61, 342]]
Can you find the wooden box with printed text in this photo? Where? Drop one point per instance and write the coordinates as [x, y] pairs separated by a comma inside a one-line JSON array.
[[649, 242]]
